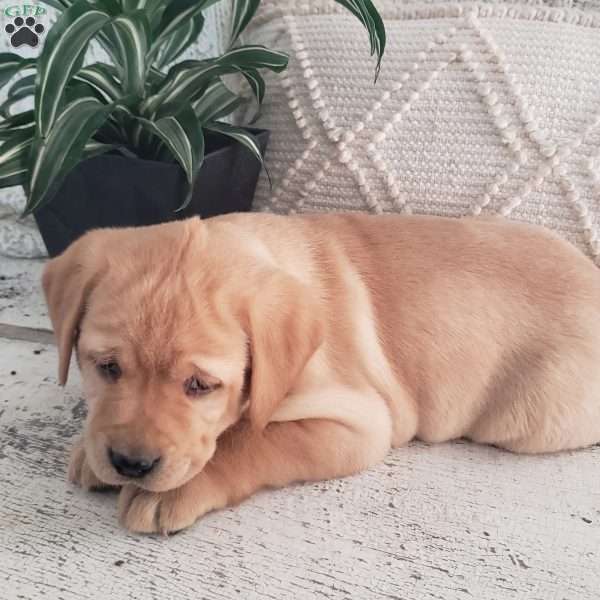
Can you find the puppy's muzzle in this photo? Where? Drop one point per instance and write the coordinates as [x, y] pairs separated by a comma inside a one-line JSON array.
[[132, 466]]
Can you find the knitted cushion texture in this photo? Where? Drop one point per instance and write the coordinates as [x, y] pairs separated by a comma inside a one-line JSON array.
[[479, 109]]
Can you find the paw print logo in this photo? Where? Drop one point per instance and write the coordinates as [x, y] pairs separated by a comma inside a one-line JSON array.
[[24, 32]]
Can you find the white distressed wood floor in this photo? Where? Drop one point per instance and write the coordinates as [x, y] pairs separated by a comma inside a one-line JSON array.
[[453, 521]]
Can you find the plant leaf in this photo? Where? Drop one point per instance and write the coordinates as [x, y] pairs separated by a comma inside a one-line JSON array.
[[366, 12], [58, 4], [14, 153], [17, 123], [256, 82], [243, 11], [106, 93], [139, 138], [27, 82], [19, 95], [132, 31], [176, 14], [11, 64], [216, 102], [176, 45], [54, 156], [187, 81], [257, 85], [101, 78], [22, 88], [131, 5], [110, 132], [149, 6], [65, 45], [109, 41], [94, 148], [105, 37], [243, 136], [183, 136], [155, 77], [254, 57]]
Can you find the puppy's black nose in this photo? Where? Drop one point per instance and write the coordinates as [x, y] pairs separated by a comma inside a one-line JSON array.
[[131, 466]]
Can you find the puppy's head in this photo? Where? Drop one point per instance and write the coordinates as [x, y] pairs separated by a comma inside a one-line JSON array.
[[179, 332]]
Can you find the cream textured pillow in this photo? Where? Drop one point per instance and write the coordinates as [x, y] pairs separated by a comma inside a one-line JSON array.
[[480, 108]]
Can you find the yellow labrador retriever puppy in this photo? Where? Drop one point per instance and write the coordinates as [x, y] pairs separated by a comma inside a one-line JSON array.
[[223, 356]]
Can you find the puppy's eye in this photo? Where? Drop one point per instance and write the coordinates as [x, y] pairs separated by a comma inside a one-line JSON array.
[[195, 386], [110, 370]]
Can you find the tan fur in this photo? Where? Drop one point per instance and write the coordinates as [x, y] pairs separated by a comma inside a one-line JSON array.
[[335, 337]]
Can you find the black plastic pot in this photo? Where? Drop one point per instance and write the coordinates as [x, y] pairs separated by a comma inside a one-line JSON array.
[[114, 191]]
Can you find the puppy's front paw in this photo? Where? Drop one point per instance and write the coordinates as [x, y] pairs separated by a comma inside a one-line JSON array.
[[80, 471], [165, 512]]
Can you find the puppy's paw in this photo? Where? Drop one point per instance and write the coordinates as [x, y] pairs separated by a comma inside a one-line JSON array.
[[164, 512], [80, 472]]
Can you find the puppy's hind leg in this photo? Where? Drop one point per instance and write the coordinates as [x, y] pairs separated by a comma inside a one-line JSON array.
[[552, 405]]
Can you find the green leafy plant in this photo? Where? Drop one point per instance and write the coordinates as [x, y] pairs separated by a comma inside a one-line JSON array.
[[142, 103]]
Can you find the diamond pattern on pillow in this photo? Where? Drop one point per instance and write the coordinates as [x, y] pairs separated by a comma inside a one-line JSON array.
[[486, 108]]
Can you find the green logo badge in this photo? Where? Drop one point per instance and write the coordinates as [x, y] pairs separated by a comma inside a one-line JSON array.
[[24, 10]]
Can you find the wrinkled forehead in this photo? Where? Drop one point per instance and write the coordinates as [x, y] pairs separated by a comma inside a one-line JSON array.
[[160, 324]]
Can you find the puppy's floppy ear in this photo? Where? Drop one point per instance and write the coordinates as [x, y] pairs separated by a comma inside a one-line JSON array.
[[67, 282], [285, 329]]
